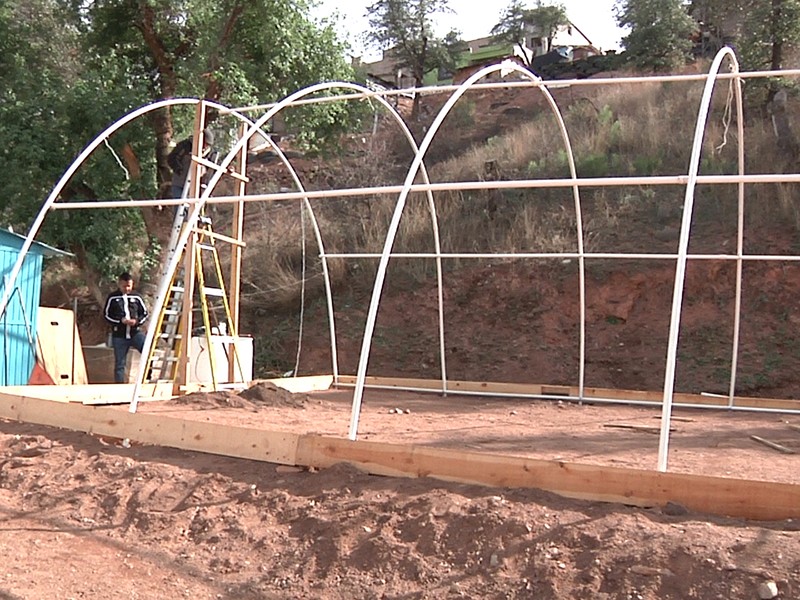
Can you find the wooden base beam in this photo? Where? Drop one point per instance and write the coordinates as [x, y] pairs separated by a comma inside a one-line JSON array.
[[742, 498], [201, 436], [589, 393], [757, 500], [122, 393]]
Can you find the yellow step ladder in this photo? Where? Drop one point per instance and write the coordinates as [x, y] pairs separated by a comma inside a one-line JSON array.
[[164, 361]]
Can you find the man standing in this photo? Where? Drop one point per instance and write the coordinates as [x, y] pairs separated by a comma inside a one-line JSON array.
[[126, 312]]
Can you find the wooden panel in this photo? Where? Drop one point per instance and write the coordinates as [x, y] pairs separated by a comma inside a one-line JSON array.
[[713, 495], [303, 385], [60, 346]]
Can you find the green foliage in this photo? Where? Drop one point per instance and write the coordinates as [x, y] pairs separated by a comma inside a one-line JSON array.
[[714, 165], [463, 113], [516, 22], [660, 32], [599, 164], [151, 259], [406, 29], [605, 116], [68, 69], [550, 165], [234, 52], [646, 165], [763, 30], [769, 30]]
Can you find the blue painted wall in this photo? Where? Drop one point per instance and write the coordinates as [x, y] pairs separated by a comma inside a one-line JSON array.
[[16, 352]]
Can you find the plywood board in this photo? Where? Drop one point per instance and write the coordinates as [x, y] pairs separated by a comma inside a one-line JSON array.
[[60, 346], [303, 385]]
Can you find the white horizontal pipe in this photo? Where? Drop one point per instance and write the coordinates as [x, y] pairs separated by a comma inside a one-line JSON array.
[[597, 255], [444, 187]]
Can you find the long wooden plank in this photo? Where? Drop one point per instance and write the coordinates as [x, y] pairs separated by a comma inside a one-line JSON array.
[[589, 393], [757, 500], [714, 495], [201, 436], [97, 393]]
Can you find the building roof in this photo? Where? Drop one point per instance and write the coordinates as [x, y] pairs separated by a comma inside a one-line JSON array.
[[10, 239]]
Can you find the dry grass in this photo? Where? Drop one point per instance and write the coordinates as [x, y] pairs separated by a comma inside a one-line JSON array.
[[624, 130]]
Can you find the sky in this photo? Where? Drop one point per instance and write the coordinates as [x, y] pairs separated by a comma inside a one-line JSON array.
[[475, 18]]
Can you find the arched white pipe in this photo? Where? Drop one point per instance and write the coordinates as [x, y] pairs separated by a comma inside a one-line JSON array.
[[197, 208], [317, 232], [59, 187], [576, 195], [740, 235], [683, 247], [315, 227], [395, 222], [78, 162]]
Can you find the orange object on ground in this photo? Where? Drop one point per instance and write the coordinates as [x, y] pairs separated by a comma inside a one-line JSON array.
[[39, 376]]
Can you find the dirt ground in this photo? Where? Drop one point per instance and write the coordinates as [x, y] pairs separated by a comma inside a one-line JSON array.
[[85, 517]]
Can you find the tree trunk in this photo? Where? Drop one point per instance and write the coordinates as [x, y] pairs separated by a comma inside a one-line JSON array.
[[776, 62], [90, 276], [213, 88], [158, 221], [415, 104], [161, 122]]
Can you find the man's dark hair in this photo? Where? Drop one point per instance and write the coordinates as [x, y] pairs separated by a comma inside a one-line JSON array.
[[125, 276]]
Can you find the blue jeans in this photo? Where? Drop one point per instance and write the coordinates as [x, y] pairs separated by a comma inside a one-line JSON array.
[[121, 346]]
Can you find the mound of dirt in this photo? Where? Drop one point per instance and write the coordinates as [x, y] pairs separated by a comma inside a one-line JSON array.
[[210, 400], [268, 394], [260, 395], [85, 520]]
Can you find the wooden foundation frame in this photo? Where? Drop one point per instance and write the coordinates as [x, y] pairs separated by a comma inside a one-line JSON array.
[[488, 388], [757, 500]]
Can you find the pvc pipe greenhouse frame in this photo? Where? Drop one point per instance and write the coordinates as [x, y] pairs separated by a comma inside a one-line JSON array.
[[683, 248], [197, 207], [681, 258], [380, 276]]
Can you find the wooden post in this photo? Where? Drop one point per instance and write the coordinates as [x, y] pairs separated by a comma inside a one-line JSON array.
[[185, 327]]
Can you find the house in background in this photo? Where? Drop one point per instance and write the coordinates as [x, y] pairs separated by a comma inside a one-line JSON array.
[[19, 323], [568, 44]]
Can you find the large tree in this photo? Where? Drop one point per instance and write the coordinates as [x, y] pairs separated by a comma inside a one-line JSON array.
[[660, 32], [235, 51], [763, 30], [69, 68], [52, 102], [405, 28], [517, 21]]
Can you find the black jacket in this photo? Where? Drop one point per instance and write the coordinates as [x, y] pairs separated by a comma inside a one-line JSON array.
[[116, 303], [179, 161]]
